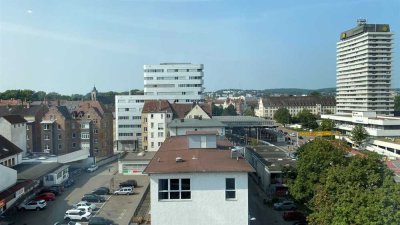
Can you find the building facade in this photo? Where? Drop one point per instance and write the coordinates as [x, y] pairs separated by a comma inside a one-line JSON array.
[[317, 105], [177, 82], [13, 127], [205, 181], [364, 69]]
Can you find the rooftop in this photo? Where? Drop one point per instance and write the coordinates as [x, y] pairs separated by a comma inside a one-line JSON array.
[[273, 157], [32, 171], [14, 119], [299, 101], [194, 160], [141, 156], [7, 148]]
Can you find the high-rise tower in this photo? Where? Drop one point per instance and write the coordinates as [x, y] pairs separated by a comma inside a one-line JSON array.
[[364, 69]]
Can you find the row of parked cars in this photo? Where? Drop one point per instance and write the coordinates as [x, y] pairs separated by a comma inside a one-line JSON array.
[[292, 213]]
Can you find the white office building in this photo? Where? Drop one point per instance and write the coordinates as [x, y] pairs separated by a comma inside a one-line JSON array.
[[175, 82], [364, 69]]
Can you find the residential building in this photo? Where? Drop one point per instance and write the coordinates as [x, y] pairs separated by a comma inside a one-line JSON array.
[[57, 131], [175, 82], [364, 95], [180, 126], [364, 70], [10, 153], [13, 127], [157, 114], [317, 105], [178, 82], [197, 173]]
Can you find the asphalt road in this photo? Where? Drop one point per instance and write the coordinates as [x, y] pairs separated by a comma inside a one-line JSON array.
[[264, 214]]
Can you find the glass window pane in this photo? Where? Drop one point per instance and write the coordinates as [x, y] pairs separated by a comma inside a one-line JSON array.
[[185, 184], [174, 184], [230, 194], [185, 195], [162, 195], [230, 183], [163, 184], [174, 195]]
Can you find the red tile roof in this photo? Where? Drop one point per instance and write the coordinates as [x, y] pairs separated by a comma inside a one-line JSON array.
[[154, 106], [194, 160], [182, 109]]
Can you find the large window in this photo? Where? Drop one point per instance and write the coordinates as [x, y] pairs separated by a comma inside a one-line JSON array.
[[230, 191], [174, 189]]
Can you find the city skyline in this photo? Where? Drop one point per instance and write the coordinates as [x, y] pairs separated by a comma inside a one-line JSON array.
[[67, 47]]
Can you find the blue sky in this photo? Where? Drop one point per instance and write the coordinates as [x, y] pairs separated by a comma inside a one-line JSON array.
[[67, 46]]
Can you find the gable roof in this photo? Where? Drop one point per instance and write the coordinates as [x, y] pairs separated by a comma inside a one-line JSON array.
[[155, 106], [7, 148], [14, 119], [194, 160], [64, 111], [182, 109]]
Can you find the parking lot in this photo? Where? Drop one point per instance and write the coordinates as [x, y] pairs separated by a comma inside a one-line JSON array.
[[116, 208]]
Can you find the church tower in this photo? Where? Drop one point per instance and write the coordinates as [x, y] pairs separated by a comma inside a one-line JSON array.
[[94, 94]]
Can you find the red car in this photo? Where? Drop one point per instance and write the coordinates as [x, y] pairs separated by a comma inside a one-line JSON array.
[[47, 196], [293, 215]]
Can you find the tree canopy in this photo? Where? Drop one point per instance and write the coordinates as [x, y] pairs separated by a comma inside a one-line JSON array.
[[359, 134], [397, 103], [307, 119], [338, 189], [282, 115], [327, 125]]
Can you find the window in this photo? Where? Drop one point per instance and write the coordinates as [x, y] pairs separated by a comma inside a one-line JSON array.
[[151, 116], [59, 146], [59, 126], [73, 144], [230, 192], [46, 137], [59, 137], [96, 131], [152, 134], [152, 144], [73, 135], [152, 125], [160, 134], [160, 126], [46, 126], [27, 137], [159, 144], [162, 116], [174, 189], [85, 135], [95, 140]]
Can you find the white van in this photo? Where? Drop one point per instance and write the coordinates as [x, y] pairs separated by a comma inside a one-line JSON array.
[[124, 191]]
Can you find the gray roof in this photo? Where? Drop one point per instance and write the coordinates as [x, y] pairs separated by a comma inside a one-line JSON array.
[[273, 157], [285, 101], [64, 111], [142, 156], [7, 148], [32, 171], [195, 123]]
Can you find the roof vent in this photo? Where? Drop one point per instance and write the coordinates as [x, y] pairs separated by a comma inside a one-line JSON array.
[[178, 159]]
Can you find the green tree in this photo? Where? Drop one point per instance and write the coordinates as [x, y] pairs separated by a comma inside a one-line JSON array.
[[327, 125], [229, 111], [359, 134], [248, 112], [38, 96], [307, 119], [314, 159], [397, 103], [282, 115], [216, 110], [315, 93]]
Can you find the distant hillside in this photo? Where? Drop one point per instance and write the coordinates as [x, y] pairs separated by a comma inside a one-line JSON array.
[[276, 91]]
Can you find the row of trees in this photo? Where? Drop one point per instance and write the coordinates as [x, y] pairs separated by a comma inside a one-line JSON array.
[[30, 95], [338, 189], [304, 117]]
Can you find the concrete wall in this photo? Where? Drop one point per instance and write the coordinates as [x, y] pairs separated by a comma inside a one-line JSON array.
[[74, 156], [207, 204], [8, 177], [182, 130]]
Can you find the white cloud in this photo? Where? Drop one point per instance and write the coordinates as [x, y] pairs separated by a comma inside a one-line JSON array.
[[29, 11]]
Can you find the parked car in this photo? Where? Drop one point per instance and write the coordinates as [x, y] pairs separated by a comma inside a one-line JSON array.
[[54, 190], [68, 183], [285, 205], [124, 191], [76, 214], [85, 203], [33, 205], [85, 208], [101, 191], [69, 223], [47, 196], [293, 215], [92, 168], [128, 183], [300, 137], [100, 221], [93, 198]]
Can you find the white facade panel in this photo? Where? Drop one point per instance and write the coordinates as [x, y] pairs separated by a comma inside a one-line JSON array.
[[207, 205]]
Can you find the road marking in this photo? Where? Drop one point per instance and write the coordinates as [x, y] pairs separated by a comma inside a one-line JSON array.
[[122, 214]]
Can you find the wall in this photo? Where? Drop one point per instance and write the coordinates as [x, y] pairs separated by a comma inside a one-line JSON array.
[[207, 204], [182, 130], [8, 177], [73, 156]]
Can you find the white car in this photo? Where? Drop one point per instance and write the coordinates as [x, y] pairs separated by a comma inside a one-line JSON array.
[[69, 223], [92, 168], [85, 203], [33, 205], [85, 208], [76, 214], [124, 191]]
